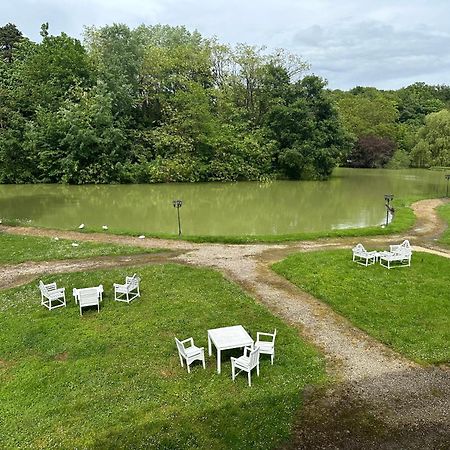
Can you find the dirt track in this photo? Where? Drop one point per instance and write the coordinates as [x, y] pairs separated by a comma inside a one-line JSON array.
[[381, 399]]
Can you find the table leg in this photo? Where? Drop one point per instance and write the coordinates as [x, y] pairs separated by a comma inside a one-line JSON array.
[[209, 346], [218, 361]]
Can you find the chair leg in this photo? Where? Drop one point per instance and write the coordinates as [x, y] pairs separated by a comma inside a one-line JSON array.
[[272, 357], [249, 378], [189, 369], [233, 374], [181, 361], [203, 361], [257, 369]]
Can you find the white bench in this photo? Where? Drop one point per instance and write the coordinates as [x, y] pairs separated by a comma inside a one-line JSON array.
[[400, 253], [362, 256], [51, 296], [128, 291], [91, 296]]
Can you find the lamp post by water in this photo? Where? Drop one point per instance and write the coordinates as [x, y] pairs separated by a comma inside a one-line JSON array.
[[447, 177], [177, 204], [388, 199]]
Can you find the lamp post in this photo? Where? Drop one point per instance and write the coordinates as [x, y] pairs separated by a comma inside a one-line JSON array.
[[447, 177], [177, 204], [388, 199]]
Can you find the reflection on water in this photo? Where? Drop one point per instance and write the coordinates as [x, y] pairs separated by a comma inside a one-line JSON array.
[[351, 198]]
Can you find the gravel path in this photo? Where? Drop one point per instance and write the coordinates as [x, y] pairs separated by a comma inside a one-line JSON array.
[[381, 399]]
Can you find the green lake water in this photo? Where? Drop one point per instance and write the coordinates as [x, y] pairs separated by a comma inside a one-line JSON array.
[[351, 198]]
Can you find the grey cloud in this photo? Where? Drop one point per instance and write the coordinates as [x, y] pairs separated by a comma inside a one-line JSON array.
[[383, 43], [374, 53]]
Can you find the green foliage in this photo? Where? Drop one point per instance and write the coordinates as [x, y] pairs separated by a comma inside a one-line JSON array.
[[405, 308], [307, 131], [160, 103], [113, 379], [10, 36], [17, 249], [399, 160], [433, 146], [368, 113]]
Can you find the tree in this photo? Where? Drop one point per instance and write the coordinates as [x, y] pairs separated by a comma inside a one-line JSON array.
[[366, 112], [307, 130], [54, 69], [418, 100], [371, 152], [10, 37], [433, 146]]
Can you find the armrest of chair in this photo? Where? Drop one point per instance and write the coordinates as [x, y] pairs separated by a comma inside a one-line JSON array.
[[247, 351]]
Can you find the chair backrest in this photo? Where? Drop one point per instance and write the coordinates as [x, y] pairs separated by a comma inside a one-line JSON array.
[[42, 287], [359, 248], [89, 296], [180, 346], [254, 358], [132, 282], [405, 244]]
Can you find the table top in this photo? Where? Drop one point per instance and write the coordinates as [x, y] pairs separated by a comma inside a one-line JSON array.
[[230, 337]]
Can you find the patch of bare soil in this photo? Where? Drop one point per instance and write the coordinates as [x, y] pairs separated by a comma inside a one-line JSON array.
[[61, 356], [16, 275]]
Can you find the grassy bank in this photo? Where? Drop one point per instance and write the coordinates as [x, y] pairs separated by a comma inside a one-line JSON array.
[[113, 379], [17, 249], [405, 308], [444, 212]]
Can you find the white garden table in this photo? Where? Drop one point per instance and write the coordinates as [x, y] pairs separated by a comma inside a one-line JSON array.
[[226, 338]]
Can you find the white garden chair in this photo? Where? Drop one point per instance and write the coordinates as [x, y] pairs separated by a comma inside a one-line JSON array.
[[190, 353], [404, 246], [248, 361], [266, 346], [362, 256], [51, 296], [400, 253], [128, 291], [91, 296]]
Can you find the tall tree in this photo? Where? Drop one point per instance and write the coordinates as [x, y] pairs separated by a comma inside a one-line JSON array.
[[10, 36]]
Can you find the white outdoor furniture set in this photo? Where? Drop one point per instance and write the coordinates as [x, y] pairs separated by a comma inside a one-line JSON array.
[[397, 256], [52, 297], [227, 338]]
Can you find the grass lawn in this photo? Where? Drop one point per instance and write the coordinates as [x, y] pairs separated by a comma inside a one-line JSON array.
[[406, 308], [113, 379], [17, 249], [444, 212]]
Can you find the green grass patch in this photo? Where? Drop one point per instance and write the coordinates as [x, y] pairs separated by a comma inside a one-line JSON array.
[[16, 249], [444, 212], [113, 379], [405, 308]]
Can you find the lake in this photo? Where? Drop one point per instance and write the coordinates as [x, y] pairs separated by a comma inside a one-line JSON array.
[[352, 198]]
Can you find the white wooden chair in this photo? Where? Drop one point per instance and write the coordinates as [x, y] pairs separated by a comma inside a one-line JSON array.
[[91, 296], [51, 296], [362, 256], [190, 353], [400, 253], [266, 346], [248, 361], [404, 246], [128, 291]]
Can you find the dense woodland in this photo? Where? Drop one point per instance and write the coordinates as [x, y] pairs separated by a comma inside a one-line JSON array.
[[160, 103]]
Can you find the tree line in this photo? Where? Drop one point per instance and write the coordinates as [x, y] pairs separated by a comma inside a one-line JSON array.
[[160, 103]]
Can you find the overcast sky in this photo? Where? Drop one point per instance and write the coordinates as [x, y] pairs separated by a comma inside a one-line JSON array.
[[382, 43]]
